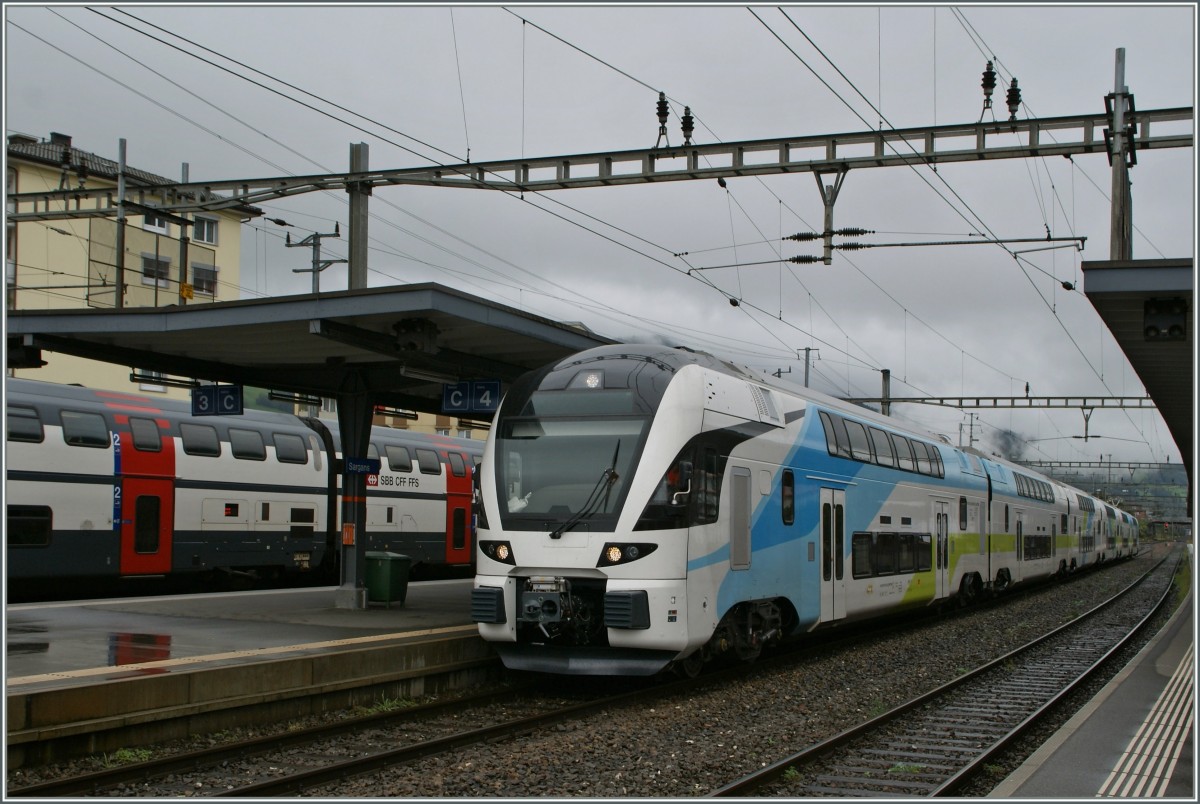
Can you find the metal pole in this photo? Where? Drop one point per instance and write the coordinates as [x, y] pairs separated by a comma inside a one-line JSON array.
[[183, 249], [807, 349], [359, 194], [1120, 236], [120, 255], [886, 407]]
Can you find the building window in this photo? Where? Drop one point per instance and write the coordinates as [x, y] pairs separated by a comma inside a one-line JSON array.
[[204, 230], [155, 269], [204, 278], [464, 432], [153, 223]]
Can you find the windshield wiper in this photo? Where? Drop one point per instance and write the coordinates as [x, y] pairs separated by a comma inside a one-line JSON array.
[[595, 500]]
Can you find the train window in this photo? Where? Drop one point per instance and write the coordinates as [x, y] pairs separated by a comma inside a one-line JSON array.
[[398, 458], [883, 448], [885, 553], [860, 556], [906, 561], [458, 527], [84, 429], [247, 444], [1006, 519], [835, 435], [826, 540], [457, 465], [28, 526], [146, 524], [290, 448], [303, 515], [830, 440], [428, 462], [860, 445], [787, 493], [24, 424], [200, 439], [146, 437], [904, 455], [923, 552], [939, 469], [922, 454]]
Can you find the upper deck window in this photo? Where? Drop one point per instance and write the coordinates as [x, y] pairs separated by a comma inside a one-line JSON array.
[[24, 424], [84, 429]]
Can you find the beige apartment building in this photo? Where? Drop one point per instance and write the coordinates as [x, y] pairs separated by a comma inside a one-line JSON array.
[[71, 263]]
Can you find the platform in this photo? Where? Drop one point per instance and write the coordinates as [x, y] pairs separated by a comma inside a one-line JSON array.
[[57, 644], [1135, 739]]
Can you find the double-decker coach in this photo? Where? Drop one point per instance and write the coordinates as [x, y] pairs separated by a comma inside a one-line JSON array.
[[113, 485]]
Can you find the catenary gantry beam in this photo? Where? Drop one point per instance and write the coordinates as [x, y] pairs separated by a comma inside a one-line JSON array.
[[971, 142]]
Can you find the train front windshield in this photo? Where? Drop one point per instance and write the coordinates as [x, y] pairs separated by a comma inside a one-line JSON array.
[[567, 459]]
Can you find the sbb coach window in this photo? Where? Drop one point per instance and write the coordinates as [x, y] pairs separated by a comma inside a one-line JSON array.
[[24, 425], [84, 429]]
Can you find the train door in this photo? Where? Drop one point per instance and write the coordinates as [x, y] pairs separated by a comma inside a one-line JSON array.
[[941, 562], [833, 550], [1020, 545], [147, 511], [459, 488], [145, 465]]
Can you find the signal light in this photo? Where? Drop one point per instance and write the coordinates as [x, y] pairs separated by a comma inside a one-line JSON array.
[[1164, 319]]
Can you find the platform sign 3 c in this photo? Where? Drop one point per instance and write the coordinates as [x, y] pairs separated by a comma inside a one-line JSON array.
[[217, 400], [476, 396]]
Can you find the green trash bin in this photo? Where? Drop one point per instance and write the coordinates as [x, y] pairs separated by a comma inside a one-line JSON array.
[[387, 577]]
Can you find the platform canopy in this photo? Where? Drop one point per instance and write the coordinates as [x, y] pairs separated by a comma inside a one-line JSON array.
[[1148, 307], [397, 345]]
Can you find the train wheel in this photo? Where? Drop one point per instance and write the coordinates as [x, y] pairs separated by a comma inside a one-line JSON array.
[[970, 590], [690, 666]]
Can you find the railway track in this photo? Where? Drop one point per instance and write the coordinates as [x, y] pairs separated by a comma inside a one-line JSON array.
[[936, 744]]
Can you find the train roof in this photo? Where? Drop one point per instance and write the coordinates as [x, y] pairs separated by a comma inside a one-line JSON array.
[[674, 358]]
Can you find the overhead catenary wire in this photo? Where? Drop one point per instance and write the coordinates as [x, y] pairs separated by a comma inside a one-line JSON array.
[[1017, 258]]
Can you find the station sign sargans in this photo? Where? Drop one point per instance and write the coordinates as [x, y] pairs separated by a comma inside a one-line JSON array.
[[474, 396]]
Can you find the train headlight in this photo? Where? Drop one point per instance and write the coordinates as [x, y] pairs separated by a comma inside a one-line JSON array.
[[498, 551], [615, 553]]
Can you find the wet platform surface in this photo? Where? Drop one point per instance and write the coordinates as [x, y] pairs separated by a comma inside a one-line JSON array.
[[54, 644]]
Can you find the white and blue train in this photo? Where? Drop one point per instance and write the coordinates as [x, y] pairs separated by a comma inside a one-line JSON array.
[[646, 507]]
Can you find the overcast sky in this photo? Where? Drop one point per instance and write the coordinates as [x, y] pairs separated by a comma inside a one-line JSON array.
[[449, 84]]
